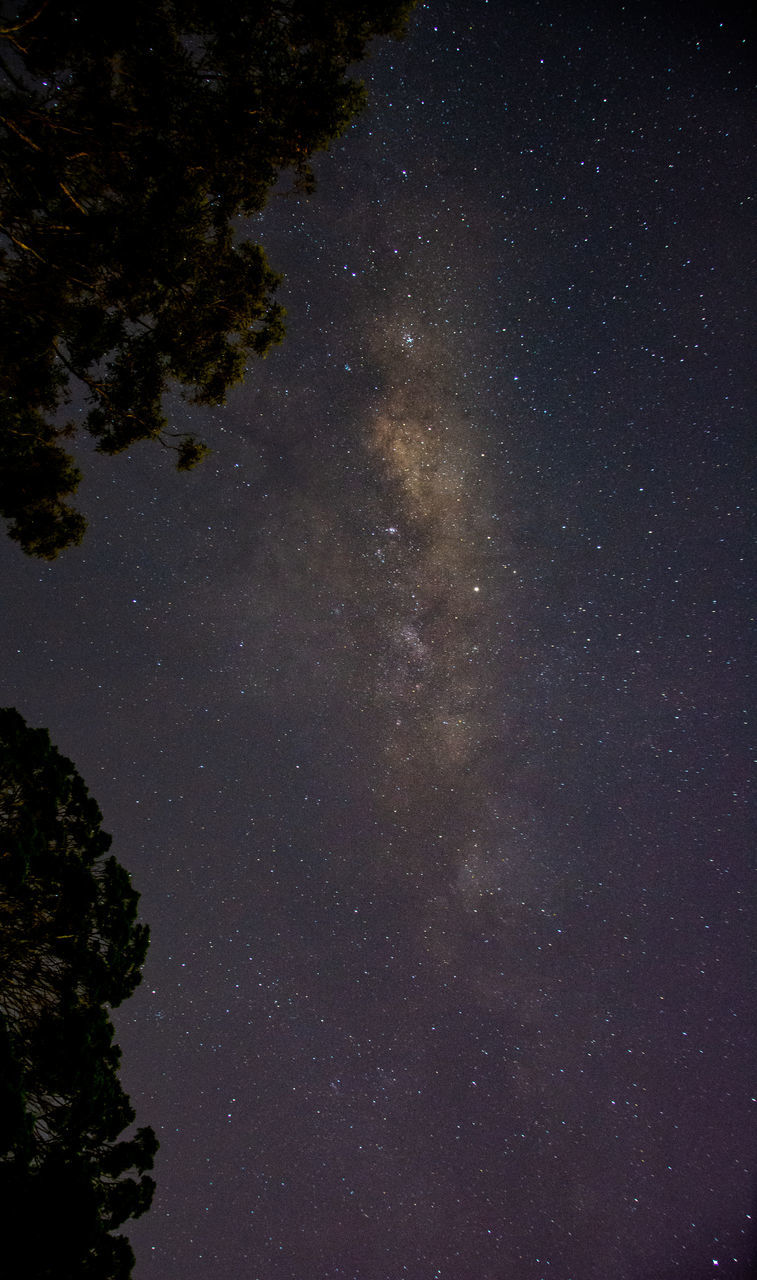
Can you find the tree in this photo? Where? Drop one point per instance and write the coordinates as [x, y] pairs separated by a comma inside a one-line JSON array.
[[133, 144], [71, 949]]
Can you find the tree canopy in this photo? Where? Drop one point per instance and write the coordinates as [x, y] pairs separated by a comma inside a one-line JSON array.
[[71, 949], [134, 141]]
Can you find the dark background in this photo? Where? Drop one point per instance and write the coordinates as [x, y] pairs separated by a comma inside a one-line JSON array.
[[418, 712]]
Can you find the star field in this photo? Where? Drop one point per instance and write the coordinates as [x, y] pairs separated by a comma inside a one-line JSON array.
[[419, 711]]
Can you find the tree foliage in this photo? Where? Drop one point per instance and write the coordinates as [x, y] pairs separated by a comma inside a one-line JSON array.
[[71, 949], [133, 142]]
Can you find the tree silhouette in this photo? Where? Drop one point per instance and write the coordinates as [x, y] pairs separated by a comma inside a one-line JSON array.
[[71, 949], [133, 143]]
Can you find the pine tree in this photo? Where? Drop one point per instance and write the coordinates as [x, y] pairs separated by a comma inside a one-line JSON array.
[[71, 950], [134, 143]]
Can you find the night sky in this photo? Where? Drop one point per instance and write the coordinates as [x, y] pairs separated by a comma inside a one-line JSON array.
[[418, 712]]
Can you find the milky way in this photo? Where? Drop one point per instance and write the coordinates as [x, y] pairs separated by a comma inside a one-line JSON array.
[[418, 712]]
